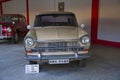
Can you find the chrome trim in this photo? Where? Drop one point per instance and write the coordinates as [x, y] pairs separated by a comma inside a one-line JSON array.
[[80, 56], [60, 40], [5, 37]]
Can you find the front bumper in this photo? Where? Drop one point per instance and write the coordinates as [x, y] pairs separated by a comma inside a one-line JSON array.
[[55, 53], [71, 57], [5, 37]]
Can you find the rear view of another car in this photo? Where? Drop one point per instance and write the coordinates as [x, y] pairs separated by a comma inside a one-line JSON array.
[[11, 25]]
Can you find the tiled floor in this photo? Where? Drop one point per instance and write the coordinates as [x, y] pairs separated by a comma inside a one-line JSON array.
[[103, 65]]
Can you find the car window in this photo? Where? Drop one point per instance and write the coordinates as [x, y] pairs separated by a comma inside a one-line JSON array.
[[22, 19], [14, 18], [8, 18], [55, 20]]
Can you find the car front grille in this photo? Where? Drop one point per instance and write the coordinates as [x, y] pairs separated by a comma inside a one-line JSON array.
[[59, 46], [0, 30]]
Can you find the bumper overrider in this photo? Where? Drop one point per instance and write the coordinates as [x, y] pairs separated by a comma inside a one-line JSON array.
[[39, 54]]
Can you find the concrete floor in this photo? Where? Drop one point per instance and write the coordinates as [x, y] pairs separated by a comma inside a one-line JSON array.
[[103, 65]]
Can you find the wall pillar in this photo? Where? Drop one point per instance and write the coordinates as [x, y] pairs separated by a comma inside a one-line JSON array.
[[27, 11], [1, 11], [94, 20]]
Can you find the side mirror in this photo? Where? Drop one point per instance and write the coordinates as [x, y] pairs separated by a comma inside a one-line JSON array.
[[82, 26], [29, 27]]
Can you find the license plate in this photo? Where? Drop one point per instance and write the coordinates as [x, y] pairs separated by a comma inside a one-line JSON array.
[[59, 61]]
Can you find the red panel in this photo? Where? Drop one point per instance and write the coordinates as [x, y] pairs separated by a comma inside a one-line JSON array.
[[27, 11], [94, 20], [108, 43]]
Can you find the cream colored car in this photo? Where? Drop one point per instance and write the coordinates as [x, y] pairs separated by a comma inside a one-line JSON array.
[[56, 38]]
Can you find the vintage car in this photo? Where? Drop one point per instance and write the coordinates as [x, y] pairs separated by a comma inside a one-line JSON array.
[[12, 26], [56, 38]]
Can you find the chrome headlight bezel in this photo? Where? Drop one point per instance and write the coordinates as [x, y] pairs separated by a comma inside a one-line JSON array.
[[29, 41], [85, 39]]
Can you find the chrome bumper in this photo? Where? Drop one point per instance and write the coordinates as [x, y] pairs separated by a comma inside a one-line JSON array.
[[75, 56], [5, 37]]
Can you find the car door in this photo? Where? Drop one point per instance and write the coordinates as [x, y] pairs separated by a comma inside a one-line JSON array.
[[23, 24]]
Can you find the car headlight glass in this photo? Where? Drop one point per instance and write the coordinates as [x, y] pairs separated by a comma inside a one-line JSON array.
[[85, 40], [9, 29], [29, 41]]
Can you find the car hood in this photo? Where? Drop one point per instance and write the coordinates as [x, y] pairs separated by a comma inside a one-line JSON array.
[[6, 23], [59, 33]]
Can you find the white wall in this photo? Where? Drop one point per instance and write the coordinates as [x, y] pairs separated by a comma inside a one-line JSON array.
[[109, 20], [82, 9], [38, 6], [15, 7]]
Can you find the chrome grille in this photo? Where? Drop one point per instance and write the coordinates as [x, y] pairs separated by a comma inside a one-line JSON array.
[[59, 46], [0, 30]]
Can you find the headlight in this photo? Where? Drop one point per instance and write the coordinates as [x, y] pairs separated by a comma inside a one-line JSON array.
[[29, 41], [9, 29], [85, 40]]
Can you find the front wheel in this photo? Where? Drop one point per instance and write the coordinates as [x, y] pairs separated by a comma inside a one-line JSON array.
[[82, 63], [15, 38]]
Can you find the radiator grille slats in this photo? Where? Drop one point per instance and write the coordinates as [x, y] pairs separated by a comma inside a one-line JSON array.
[[59, 46]]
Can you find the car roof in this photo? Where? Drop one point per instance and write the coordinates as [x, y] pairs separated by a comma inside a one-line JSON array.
[[55, 12], [11, 15]]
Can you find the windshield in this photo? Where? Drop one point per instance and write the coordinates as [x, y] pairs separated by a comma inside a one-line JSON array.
[[55, 20], [8, 19]]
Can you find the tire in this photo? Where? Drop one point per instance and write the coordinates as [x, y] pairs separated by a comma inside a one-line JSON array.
[[82, 63], [32, 62], [15, 38]]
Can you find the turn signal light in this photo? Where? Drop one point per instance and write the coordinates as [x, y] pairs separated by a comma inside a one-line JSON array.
[[86, 49], [28, 51]]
